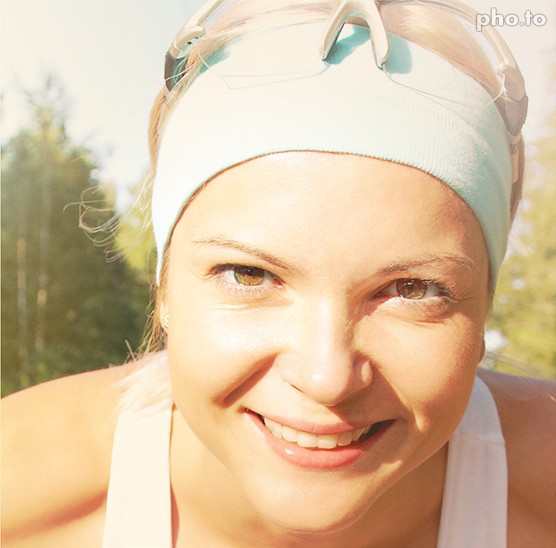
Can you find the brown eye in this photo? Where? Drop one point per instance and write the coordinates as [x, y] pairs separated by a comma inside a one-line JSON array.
[[249, 275], [411, 288]]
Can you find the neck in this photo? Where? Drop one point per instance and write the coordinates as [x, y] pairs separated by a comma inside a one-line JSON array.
[[209, 507]]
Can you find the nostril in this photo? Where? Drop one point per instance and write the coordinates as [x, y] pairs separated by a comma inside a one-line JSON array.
[[326, 378]]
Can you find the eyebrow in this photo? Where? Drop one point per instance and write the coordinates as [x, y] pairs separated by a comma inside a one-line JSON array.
[[220, 241], [439, 259], [453, 259]]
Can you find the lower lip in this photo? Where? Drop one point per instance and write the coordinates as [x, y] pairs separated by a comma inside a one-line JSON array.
[[314, 458]]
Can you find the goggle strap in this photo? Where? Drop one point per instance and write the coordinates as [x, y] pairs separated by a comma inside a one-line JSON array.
[[515, 160], [203, 13], [185, 41]]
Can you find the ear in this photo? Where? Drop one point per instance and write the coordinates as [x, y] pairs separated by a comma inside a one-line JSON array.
[[164, 316], [483, 350]]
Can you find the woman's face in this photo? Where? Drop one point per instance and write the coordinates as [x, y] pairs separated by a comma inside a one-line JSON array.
[[323, 294]]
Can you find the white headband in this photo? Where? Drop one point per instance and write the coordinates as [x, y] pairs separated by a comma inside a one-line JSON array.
[[345, 104]]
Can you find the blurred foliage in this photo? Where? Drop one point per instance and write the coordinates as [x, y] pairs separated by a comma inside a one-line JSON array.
[[524, 311], [65, 309], [134, 235]]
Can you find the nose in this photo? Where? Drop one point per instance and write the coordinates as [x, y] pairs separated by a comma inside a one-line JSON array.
[[323, 360]]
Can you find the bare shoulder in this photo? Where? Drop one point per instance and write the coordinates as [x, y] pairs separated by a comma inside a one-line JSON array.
[[527, 410], [56, 451]]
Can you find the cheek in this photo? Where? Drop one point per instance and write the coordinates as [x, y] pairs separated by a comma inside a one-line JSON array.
[[220, 350], [430, 368]]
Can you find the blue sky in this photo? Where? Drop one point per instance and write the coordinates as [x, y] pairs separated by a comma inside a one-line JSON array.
[[109, 56]]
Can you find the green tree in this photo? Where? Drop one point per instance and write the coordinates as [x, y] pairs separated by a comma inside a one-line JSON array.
[[64, 308], [525, 306]]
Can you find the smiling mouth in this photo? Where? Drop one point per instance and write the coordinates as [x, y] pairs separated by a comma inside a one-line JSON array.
[[322, 441]]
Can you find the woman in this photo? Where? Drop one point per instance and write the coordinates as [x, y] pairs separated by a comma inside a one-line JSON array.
[[330, 213]]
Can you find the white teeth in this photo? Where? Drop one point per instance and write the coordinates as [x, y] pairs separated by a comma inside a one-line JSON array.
[[327, 441], [289, 434], [345, 438], [305, 439]]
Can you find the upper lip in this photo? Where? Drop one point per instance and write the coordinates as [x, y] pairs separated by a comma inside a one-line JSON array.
[[318, 429]]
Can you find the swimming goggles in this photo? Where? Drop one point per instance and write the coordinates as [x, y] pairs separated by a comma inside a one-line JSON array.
[[510, 96]]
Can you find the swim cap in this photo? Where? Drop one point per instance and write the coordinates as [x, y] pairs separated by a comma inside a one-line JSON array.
[[241, 107]]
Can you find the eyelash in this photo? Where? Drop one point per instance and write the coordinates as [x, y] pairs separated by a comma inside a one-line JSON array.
[[241, 289], [443, 294]]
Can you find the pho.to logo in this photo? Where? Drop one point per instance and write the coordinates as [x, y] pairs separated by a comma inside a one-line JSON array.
[[496, 19]]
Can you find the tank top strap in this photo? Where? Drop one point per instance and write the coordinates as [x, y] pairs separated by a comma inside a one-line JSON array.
[[474, 508], [138, 511]]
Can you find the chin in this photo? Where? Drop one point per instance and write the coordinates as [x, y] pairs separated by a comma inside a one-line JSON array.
[[307, 510], [313, 522]]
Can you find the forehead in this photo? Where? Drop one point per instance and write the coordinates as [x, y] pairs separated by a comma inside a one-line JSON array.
[[322, 204]]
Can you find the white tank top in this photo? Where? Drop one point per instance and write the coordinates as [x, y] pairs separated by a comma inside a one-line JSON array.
[[474, 507]]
